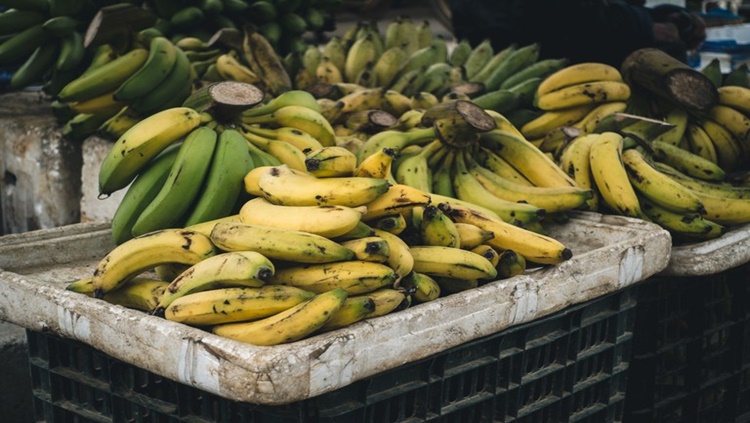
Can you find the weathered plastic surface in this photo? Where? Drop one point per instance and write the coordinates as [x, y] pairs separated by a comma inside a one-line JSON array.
[[610, 253], [711, 257]]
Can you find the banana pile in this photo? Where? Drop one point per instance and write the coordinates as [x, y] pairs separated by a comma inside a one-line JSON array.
[[42, 41], [417, 69], [282, 22], [118, 90], [307, 254]]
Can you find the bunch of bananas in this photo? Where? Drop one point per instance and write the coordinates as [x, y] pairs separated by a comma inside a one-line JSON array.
[[118, 90], [308, 253], [42, 40], [282, 22], [419, 70], [183, 167], [573, 100], [656, 181]]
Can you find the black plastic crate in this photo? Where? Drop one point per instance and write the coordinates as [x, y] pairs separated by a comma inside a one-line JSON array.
[[691, 350], [568, 367]]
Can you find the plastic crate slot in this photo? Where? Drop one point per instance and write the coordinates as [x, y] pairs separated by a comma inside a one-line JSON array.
[[76, 391], [144, 387], [550, 409]]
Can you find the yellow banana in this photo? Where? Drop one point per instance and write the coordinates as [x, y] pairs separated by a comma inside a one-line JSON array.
[[399, 258], [610, 176], [387, 300], [729, 152], [533, 246], [290, 325], [278, 243], [577, 74], [397, 199], [437, 229], [355, 308], [230, 68], [423, 287], [550, 120], [285, 186], [333, 161], [510, 264], [686, 161], [327, 221], [369, 248], [231, 269], [354, 276], [472, 236], [140, 293], [438, 261], [736, 97], [700, 143], [585, 93], [395, 223], [235, 304], [138, 254]]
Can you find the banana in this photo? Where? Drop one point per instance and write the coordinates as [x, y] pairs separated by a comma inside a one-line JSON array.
[[734, 121], [532, 246], [478, 58], [294, 136], [584, 93], [183, 184], [442, 180], [142, 142], [224, 270], [363, 50], [328, 72], [119, 123], [105, 103], [396, 199], [376, 165], [436, 229], [395, 223], [700, 143], [658, 187], [687, 162], [531, 162], [13, 20], [162, 55], [285, 186], [235, 304], [206, 227], [724, 210], [738, 76], [735, 96], [610, 176], [354, 276], [402, 32], [278, 243], [729, 152], [333, 161], [172, 92], [138, 254], [576, 162], [716, 188], [36, 65], [679, 224], [519, 59], [469, 189], [21, 44], [540, 69], [387, 300], [264, 62], [360, 100], [335, 51], [230, 68], [510, 264], [550, 120], [679, 118], [105, 78], [139, 293], [290, 325], [141, 192], [287, 154], [300, 117], [424, 288], [369, 248], [471, 236], [577, 74], [420, 60], [399, 258], [713, 72], [551, 199], [230, 163], [327, 221], [355, 308], [487, 252], [498, 165], [439, 261], [588, 123], [414, 170], [388, 65], [397, 140]]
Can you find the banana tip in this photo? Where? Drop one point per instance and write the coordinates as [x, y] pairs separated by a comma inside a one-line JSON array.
[[567, 254]]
